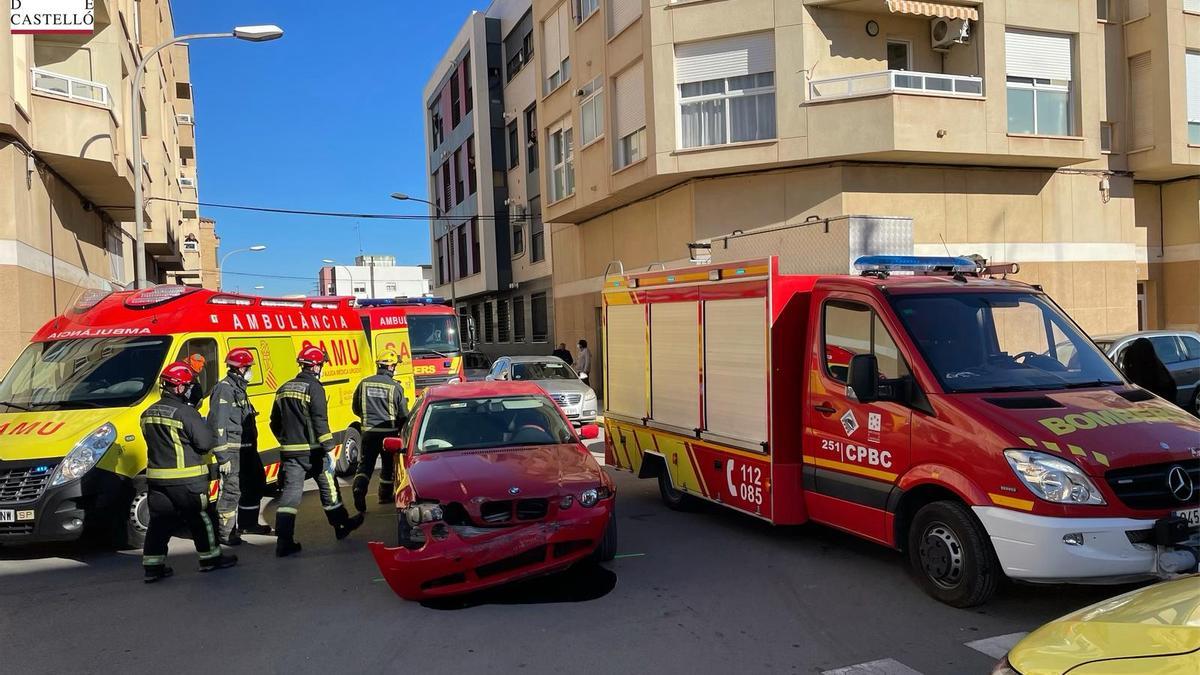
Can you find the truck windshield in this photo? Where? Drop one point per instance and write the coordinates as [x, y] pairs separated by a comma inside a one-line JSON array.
[[433, 334], [992, 342], [84, 373]]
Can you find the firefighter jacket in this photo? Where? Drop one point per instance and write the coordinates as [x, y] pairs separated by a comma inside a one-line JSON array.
[[231, 417], [379, 402], [300, 416], [178, 442]]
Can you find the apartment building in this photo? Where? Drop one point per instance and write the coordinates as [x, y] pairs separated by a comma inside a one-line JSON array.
[[66, 173], [200, 251], [375, 276], [490, 250], [1059, 134]]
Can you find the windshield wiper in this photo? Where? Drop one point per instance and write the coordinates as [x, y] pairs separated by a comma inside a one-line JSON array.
[[1009, 388], [431, 351], [1093, 383], [18, 406]]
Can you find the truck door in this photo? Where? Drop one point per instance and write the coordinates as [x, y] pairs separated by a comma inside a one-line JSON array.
[[854, 452], [397, 341]]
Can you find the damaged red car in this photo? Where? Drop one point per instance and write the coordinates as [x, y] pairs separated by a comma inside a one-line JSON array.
[[493, 485]]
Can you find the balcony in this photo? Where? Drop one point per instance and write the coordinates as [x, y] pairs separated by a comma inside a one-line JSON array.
[[895, 82], [73, 88]]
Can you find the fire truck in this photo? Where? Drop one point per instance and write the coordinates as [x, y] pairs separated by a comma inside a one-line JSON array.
[[919, 403], [423, 331]]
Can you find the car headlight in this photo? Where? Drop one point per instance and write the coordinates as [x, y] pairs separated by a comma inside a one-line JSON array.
[[1053, 478], [84, 455]]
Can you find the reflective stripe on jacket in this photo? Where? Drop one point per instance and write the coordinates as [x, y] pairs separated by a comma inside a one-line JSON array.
[[300, 416], [178, 441], [379, 402], [231, 416]]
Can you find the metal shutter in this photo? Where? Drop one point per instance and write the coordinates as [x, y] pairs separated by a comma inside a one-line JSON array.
[[1141, 101], [621, 13], [550, 42], [727, 57], [675, 353], [735, 368], [629, 101], [1193, 86], [625, 360], [1041, 55]]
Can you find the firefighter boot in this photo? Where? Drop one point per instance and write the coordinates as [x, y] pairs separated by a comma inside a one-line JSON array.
[[228, 530], [248, 521], [360, 492], [342, 523], [285, 531], [218, 563], [387, 491], [157, 573]]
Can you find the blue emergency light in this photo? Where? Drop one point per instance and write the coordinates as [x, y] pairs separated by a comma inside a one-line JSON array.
[[914, 263], [401, 301]]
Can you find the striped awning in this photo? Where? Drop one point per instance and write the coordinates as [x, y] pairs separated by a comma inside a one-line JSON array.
[[935, 9]]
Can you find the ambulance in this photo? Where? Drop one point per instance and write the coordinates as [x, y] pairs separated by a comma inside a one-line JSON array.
[[921, 404], [72, 456], [424, 332]]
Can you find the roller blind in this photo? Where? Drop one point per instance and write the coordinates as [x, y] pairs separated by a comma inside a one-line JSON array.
[[550, 42], [621, 13], [728, 57], [1193, 86], [1041, 55], [675, 355], [564, 31], [735, 368], [630, 101], [625, 359], [1141, 101]]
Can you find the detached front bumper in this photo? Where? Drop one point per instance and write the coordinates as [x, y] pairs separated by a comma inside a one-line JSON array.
[[1084, 550], [455, 564]]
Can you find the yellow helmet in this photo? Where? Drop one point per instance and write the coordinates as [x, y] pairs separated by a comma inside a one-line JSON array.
[[387, 358]]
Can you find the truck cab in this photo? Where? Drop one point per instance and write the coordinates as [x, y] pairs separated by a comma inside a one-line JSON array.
[[424, 332]]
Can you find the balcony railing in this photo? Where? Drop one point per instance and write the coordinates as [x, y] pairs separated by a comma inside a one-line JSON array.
[[74, 88], [895, 81]]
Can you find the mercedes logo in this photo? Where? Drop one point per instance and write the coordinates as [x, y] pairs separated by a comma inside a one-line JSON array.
[[1180, 484], [514, 490]]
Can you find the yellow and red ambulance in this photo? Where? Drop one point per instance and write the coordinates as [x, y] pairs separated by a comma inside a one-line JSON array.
[[962, 419], [424, 332], [72, 457]]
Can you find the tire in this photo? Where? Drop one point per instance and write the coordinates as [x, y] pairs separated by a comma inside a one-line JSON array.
[[952, 556], [607, 549], [347, 462], [131, 524], [676, 500]]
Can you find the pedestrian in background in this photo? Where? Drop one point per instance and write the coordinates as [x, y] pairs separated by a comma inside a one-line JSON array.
[[1142, 366], [585, 361], [565, 354], [379, 402]]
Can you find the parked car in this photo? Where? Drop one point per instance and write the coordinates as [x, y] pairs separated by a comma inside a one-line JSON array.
[[476, 365], [493, 485], [1151, 630], [559, 380], [1178, 350]]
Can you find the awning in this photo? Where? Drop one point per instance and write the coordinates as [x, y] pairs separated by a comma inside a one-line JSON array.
[[934, 9]]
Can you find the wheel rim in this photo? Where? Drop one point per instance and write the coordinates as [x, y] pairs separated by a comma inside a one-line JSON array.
[[941, 556], [139, 513], [349, 454]]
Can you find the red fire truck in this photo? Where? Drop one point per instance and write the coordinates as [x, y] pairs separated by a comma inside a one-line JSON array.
[[424, 334], [964, 420]]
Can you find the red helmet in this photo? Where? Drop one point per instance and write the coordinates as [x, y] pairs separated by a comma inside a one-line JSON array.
[[239, 358], [311, 356], [177, 374]]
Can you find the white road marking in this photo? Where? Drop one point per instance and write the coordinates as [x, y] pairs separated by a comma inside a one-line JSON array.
[[32, 566], [996, 647], [880, 667]]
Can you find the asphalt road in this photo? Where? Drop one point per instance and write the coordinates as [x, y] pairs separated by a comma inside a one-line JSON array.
[[702, 592]]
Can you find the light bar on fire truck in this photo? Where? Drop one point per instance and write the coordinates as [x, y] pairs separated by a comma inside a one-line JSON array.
[[914, 263], [401, 301]]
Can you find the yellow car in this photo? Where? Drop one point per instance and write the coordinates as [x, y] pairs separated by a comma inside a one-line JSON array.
[[1150, 631]]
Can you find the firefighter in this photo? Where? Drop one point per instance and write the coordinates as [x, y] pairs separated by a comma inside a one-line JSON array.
[[379, 402], [231, 419], [178, 446], [300, 420]]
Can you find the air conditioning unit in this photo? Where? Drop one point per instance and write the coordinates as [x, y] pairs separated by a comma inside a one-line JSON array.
[[945, 33], [184, 118], [186, 182]]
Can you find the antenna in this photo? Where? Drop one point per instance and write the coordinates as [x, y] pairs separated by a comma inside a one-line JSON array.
[[944, 244]]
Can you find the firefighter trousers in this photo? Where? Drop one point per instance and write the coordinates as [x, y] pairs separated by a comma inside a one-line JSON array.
[[174, 504], [372, 443], [230, 494], [295, 468], [253, 484]]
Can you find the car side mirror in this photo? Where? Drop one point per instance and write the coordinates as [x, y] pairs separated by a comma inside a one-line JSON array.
[[862, 381], [394, 445], [589, 432], [490, 377]]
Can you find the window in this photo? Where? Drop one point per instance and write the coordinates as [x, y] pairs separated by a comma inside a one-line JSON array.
[[622, 13], [562, 163], [486, 423], [1141, 101], [476, 318], [629, 112], [1191, 346], [1193, 96], [389, 287], [537, 233], [461, 234], [436, 133], [502, 320], [455, 100], [459, 188], [475, 246], [591, 110], [531, 139], [359, 289], [539, 310], [514, 149], [852, 329], [441, 261], [518, 239], [446, 183], [1106, 137], [520, 53], [899, 55], [726, 90], [207, 348], [584, 9], [1039, 72], [1102, 10], [1191, 6], [467, 103], [489, 323], [1168, 349], [472, 183], [518, 319], [183, 90], [556, 57]]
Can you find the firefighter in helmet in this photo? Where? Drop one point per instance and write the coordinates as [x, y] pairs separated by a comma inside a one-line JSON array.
[[379, 402], [300, 420], [178, 447], [231, 419]]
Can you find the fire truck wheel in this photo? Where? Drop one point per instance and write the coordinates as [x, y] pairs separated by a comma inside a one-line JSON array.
[[607, 549], [674, 499], [951, 555], [347, 462]]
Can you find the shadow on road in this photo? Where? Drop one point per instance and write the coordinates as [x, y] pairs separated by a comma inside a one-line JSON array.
[[581, 583]]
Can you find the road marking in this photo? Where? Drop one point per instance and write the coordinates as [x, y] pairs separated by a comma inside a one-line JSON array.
[[996, 647], [880, 667]]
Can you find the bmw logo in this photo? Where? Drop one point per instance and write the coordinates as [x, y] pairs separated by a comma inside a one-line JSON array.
[[514, 490]]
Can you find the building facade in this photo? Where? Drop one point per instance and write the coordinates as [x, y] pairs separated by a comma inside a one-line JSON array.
[[1059, 134], [66, 173], [491, 250], [376, 276]]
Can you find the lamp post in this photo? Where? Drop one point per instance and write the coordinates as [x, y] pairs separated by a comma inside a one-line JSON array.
[[249, 249], [400, 196], [248, 33]]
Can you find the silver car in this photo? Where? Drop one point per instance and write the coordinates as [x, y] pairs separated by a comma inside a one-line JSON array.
[[1179, 350], [558, 379]]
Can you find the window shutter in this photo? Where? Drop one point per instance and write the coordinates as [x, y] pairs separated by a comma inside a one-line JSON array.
[[1141, 101], [621, 13], [1193, 86], [625, 359], [550, 38], [675, 377], [630, 101], [1040, 55], [735, 368], [564, 31], [727, 57]]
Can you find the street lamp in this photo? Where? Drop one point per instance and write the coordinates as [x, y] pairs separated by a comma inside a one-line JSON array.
[[251, 249], [331, 261], [247, 33], [400, 196]]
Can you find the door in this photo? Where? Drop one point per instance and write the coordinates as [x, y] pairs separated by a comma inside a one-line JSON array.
[[205, 348], [1170, 351], [854, 452]]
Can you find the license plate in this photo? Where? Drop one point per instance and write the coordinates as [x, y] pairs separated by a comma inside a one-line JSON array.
[[1192, 516], [8, 516]]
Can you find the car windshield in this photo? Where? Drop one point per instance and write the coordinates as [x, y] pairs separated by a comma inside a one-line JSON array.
[[499, 422], [543, 370], [84, 373], [432, 334], [990, 342]]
